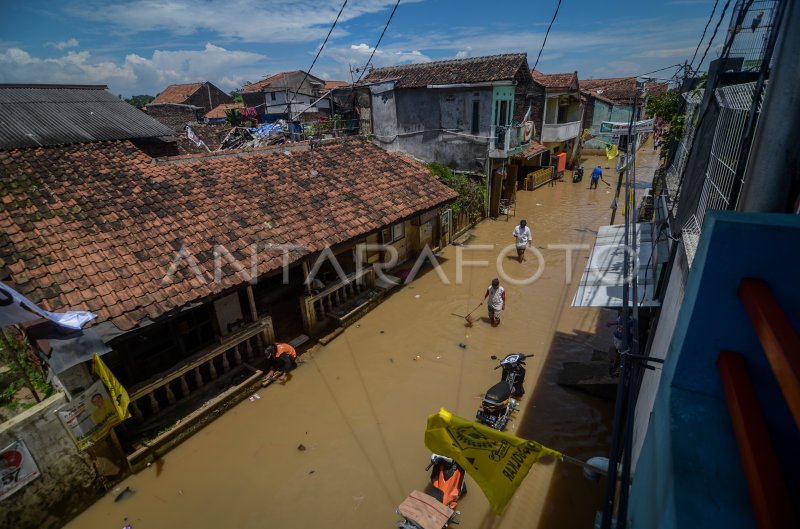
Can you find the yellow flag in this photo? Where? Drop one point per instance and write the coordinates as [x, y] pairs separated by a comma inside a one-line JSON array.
[[612, 151], [497, 461], [119, 396]]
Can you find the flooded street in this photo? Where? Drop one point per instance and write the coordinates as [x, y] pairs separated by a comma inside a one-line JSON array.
[[341, 443]]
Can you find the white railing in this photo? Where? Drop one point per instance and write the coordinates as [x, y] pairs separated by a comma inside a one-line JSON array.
[[561, 131]]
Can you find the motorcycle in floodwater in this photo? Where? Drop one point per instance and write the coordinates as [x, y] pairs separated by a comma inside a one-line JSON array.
[[498, 403], [447, 480], [437, 508], [577, 176]]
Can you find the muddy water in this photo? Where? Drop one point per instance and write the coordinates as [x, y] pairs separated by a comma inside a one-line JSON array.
[[341, 443]]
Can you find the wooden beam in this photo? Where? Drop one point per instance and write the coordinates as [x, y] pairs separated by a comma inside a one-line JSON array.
[[780, 341], [768, 494]]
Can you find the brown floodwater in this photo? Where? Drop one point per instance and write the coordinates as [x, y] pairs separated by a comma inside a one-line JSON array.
[[341, 443]]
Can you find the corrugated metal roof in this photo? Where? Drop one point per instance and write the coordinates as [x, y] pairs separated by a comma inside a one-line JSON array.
[[32, 116]]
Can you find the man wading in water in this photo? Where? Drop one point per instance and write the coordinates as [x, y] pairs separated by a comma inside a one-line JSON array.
[[497, 301], [523, 235]]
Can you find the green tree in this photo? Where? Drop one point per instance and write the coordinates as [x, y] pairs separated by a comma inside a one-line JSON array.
[[664, 106], [471, 195], [236, 95], [233, 117], [140, 101]]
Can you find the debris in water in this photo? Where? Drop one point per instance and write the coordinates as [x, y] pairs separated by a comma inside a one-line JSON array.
[[462, 345], [358, 325], [127, 524], [438, 357], [391, 360], [126, 492], [417, 296], [381, 332], [493, 357], [301, 447], [538, 204], [418, 357], [311, 472]]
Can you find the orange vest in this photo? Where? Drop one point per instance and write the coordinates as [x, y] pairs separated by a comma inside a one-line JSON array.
[[282, 348]]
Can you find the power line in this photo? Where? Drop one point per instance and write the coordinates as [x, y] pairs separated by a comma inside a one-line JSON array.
[[691, 63], [721, 18], [546, 34], [289, 104], [379, 42]]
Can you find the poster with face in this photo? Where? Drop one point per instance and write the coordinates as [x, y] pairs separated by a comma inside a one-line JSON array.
[[89, 416], [17, 468]]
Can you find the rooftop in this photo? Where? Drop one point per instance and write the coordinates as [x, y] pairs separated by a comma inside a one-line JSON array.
[[97, 226], [38, 115], [176, 93], [457, 71], [618, 90], [555, 81]]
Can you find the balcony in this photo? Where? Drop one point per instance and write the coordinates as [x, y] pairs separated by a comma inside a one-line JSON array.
[[561, 131], [506, 140]]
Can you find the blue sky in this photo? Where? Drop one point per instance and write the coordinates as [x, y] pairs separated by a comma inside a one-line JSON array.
[[141, 46]]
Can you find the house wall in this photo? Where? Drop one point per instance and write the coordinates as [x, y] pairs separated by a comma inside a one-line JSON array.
[[208, 97], [414, 121], [174, 116], [68, 483], [537, 103], [601, 111]]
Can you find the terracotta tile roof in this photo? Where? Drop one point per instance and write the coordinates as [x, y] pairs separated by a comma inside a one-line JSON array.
[[218, 112], [534, 149], [554, 81], [96, 226], [176, 93], [619, 90], [656, 89], [260, 85], [457, 71], [335, 84]]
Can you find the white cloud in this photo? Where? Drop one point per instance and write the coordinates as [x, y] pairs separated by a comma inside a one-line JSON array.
[[356, 55], [265, 21], [135, 74], [64, 44], [463, 54]]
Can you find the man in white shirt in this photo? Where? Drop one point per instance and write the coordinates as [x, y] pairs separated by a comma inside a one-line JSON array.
[[497, 301], [523, 235]]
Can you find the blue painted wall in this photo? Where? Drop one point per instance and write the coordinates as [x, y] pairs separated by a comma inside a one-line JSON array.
[[689, 473]]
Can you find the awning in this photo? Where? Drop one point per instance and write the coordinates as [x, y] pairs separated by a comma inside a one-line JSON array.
[[63, 348], [530, 152], [601, 284]]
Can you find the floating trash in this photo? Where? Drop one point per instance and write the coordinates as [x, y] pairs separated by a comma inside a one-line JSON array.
[[462, 345], [301, 447]]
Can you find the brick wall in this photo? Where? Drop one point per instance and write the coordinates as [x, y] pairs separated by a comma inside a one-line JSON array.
[[174, 116], [208, 97]]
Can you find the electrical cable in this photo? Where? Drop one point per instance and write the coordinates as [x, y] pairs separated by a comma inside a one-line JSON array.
[[379, 42], [714, 34], [319, 51], [546, 34], [691, 63]]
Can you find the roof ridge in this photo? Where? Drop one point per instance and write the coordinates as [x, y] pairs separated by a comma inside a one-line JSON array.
[[462, 60]]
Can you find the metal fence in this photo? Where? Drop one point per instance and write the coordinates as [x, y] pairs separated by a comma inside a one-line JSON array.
[[678, 165], [734, 103]]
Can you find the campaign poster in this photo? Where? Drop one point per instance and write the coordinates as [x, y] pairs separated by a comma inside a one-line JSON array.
[[17, 468], [89, 416]]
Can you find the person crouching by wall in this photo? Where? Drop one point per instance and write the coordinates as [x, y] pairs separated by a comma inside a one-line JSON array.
[[280, 360]]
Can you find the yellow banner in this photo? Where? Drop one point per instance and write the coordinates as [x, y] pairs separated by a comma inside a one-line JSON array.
[[497, 461], [612, 151], [119, 396]]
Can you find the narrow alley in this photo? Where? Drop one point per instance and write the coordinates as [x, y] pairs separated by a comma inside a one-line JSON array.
[[341, 443]]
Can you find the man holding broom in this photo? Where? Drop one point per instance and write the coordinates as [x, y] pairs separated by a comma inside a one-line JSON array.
[[497, 301]]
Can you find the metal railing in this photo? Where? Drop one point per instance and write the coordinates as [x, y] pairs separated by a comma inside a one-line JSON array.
[[507, 138], [734, 102]]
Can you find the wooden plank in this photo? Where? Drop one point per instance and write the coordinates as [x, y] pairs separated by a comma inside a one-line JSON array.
[[780, 341], [425, 510], [770, 499]]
